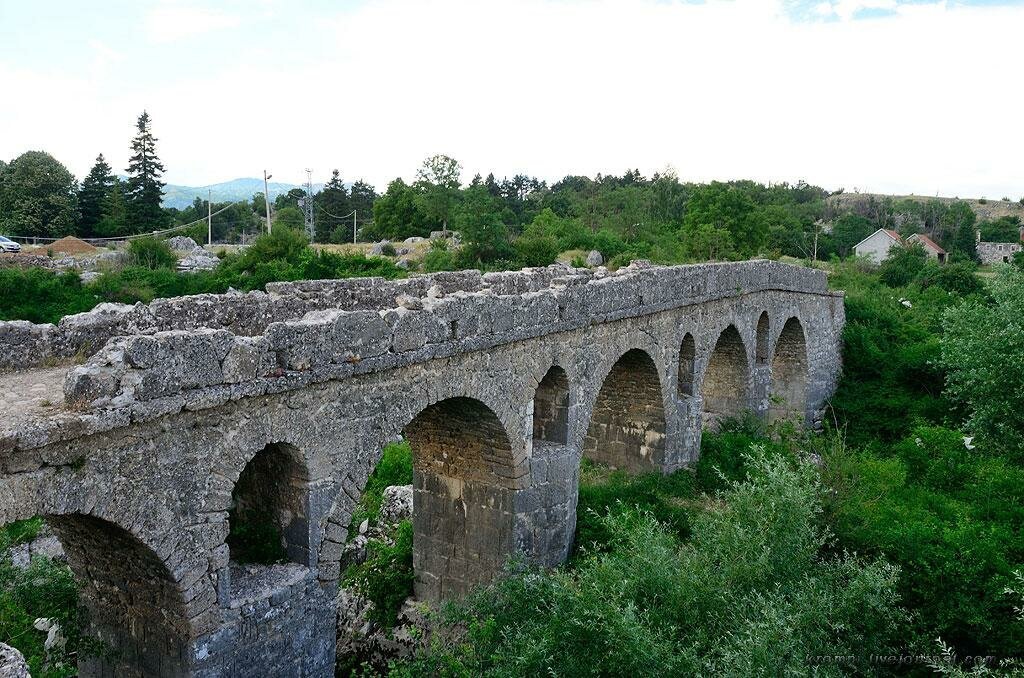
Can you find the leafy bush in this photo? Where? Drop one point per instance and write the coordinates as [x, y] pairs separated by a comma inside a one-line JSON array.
[[750, 594], [394, 468], [44, 589], [536, 250], [982, 350], [902, 265], [388, 249], [950, 518], [386, 576], [42, 296], [151, 253]]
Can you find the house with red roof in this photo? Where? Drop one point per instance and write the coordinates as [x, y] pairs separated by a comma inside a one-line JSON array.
[[931, 247]]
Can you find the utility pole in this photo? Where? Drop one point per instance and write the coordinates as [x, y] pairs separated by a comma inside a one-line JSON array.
[[354, 227], [266, 195], [209, 217], [307, 206]]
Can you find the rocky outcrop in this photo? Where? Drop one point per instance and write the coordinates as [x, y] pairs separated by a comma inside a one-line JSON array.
[[594, 258], [198, 259], [182, 243], [396, 505], [12, 663]]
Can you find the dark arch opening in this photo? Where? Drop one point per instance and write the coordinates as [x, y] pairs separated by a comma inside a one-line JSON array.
[[725, 387], [627, 426], [135, 606], [788, 399], [687, 366], [551, 408], [464, 478], [762, 339], [269, 516]]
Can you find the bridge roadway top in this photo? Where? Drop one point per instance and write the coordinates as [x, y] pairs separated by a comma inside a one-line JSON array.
[[201, 351]]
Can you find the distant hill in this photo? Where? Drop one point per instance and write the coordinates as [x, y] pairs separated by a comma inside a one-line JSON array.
[[986, 209], [236, 189]]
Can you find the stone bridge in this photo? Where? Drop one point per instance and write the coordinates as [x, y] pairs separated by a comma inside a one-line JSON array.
[[192, 413]]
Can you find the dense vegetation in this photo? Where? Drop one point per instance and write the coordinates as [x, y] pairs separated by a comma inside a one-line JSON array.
[[149, 272]]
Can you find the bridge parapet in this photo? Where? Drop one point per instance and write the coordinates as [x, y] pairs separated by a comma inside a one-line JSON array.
[[165, 371]]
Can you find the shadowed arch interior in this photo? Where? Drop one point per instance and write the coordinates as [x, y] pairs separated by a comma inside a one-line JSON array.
[[726, 384], [627, 426], [134, 604], [551, 408], [464, 478], [763, 328], [687, 366], [269, 515], [788, 399]]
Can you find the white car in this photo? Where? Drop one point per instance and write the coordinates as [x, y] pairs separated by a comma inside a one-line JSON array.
[[8, 245]]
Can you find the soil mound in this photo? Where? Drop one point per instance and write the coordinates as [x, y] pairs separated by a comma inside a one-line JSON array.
[[72, 245]]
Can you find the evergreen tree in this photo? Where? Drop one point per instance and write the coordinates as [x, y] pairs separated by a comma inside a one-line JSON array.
[[144, 189], [114, 221], [332, 209], [91, 197]]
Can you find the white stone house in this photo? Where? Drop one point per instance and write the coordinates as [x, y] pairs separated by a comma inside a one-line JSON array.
[[877, 245]]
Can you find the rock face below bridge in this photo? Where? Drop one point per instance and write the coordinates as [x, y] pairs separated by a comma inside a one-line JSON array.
[[192, 412]]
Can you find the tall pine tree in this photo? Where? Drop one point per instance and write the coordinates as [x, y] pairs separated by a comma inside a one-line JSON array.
[[144, 190], [93, 194], [332, 206]]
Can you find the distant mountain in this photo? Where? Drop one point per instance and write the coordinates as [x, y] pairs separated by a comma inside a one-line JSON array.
[[236, 189]]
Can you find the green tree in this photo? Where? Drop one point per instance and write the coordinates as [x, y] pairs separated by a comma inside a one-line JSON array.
[[957, 229], [397, 215], [93, 195], [704, 242], [438, 184], [332, 209], [289, 217], [982, 349], [38, 197], [484, 236], [848, 230], [114, 221], [723, 206], [144, 190], [1003, 229]]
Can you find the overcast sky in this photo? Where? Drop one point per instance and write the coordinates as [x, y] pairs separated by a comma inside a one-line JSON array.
[[875, 95]]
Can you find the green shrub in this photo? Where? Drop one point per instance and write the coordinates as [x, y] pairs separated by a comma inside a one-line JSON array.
[[388, 249], [750, 594], [902, 265], [42, 296], [44, 589], [386, 576], [951, 520], [536, 250], [151, 253], [394, 468]]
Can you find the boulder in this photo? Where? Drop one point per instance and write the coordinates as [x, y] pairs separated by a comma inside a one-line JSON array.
[[404, 263], [412, 240], [378, 247], [182, 243], [12, 663], [89, 276], [396, 504], [198, 260], [594, 258]]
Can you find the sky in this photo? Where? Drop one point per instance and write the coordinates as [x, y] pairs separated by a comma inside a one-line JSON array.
[[870, 95]]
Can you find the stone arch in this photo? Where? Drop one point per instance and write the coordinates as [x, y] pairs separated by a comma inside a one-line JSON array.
[[464, 479], [687, 366], [725, 386], [788, 399], [551, 408], [761, 341], [627, 423], [270, 501], [135, 605]]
